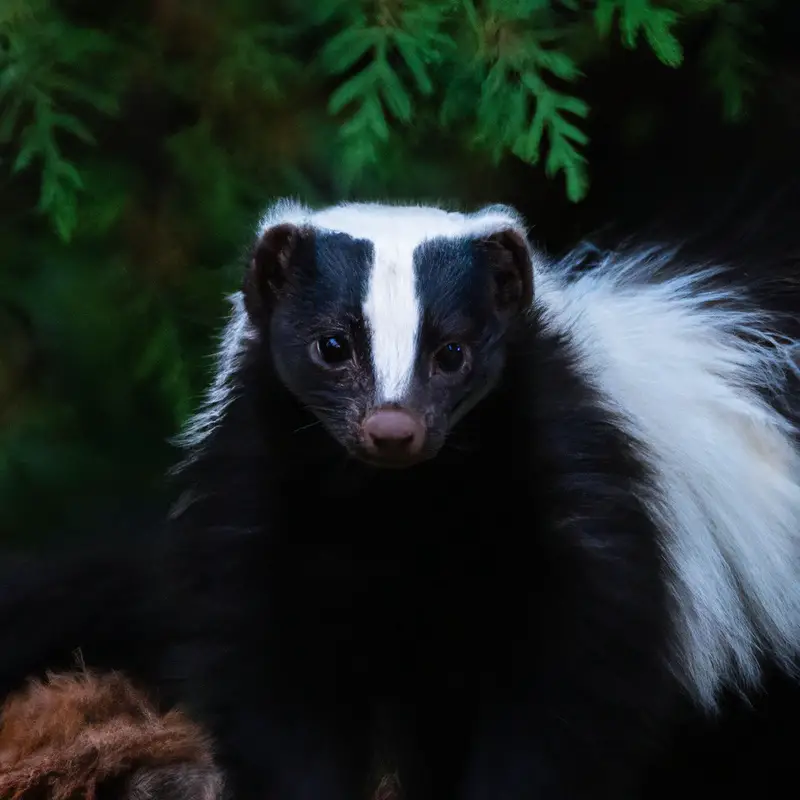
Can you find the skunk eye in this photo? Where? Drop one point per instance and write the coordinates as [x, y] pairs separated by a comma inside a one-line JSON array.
[[450, 358], [333, 350]]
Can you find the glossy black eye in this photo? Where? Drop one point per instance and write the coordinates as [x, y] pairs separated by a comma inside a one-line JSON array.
[[450, 358], [333, 350]]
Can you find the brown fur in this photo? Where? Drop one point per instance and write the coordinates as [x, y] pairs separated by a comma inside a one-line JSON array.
[[74, 734], [87, 736]]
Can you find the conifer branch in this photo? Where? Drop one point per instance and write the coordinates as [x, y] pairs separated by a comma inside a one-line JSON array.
[[42, 68]]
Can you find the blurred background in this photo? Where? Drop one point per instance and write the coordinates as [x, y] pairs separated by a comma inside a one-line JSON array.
[[140, 139]]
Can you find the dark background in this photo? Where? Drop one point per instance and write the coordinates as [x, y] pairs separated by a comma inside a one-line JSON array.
[[151, 134]]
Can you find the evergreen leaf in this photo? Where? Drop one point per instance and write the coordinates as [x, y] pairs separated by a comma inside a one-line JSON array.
[[30, 149], [348, 47], [424, 23], [658, 32], [532, 81], [604, 16], [355, 87], [732, 71], [559, 63], [356, 156], [377, 119], [64, 213], [516, 114], [573, 105], [71, 124], [528, 145], [637, 16], [568, 131], [396, 97], [563, 158], [471, 13], [496, 80], [630, 20], [369, 121], [68, 173], [577, 179], [407, 48], [74, 90]]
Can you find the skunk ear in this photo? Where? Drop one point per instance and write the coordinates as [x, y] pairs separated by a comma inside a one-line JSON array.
[[274, 256], [511, 267]]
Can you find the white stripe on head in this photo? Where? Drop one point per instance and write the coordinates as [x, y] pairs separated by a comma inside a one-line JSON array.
[[393, 313], [392, 306], [392, 229]]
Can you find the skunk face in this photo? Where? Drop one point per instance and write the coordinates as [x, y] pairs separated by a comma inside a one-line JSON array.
[[390, 323]]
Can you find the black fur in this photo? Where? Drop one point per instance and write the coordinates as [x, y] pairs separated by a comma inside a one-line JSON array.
[[91, 606], [491, 624]]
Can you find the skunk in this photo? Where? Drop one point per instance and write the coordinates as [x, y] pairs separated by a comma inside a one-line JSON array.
[[469, 516]]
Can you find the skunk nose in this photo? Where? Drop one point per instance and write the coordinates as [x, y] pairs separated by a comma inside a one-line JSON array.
[[393, 434]]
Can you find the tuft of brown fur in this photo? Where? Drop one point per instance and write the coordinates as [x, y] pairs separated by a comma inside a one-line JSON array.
[[70, 735]]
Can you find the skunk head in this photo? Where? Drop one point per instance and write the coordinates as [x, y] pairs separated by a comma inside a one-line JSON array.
[[389, 323]]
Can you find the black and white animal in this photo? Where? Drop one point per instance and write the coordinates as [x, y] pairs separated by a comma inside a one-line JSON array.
[[461, 513]]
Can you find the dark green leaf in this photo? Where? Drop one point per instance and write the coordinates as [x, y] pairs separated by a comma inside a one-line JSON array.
[[396, 97], [347, 47], [356, 87], [407, 48], [658, 31], [604, 16], [560, 64]]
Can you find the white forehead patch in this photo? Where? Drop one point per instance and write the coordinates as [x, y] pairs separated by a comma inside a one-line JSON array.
[[392, 307], [393, 314]]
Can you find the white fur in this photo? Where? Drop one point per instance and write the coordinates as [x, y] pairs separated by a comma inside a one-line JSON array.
[[398, 227], [220, 394], [726, 464], [682, 376], [392, 307]]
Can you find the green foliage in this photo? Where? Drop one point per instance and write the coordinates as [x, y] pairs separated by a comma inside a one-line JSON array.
[[395, 59], [140, 141], [368, 47], [729, 60], [392, 62], [518, 47], [642, 17], [47, 77]]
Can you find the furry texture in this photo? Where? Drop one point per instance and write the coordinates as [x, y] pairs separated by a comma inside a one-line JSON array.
[[80, 735], [602, 521], [467, 713], [700, 371], [391, 306], [726, 491], [647, 403]]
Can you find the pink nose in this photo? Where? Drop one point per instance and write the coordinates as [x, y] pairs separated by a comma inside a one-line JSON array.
[[393, 434]]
